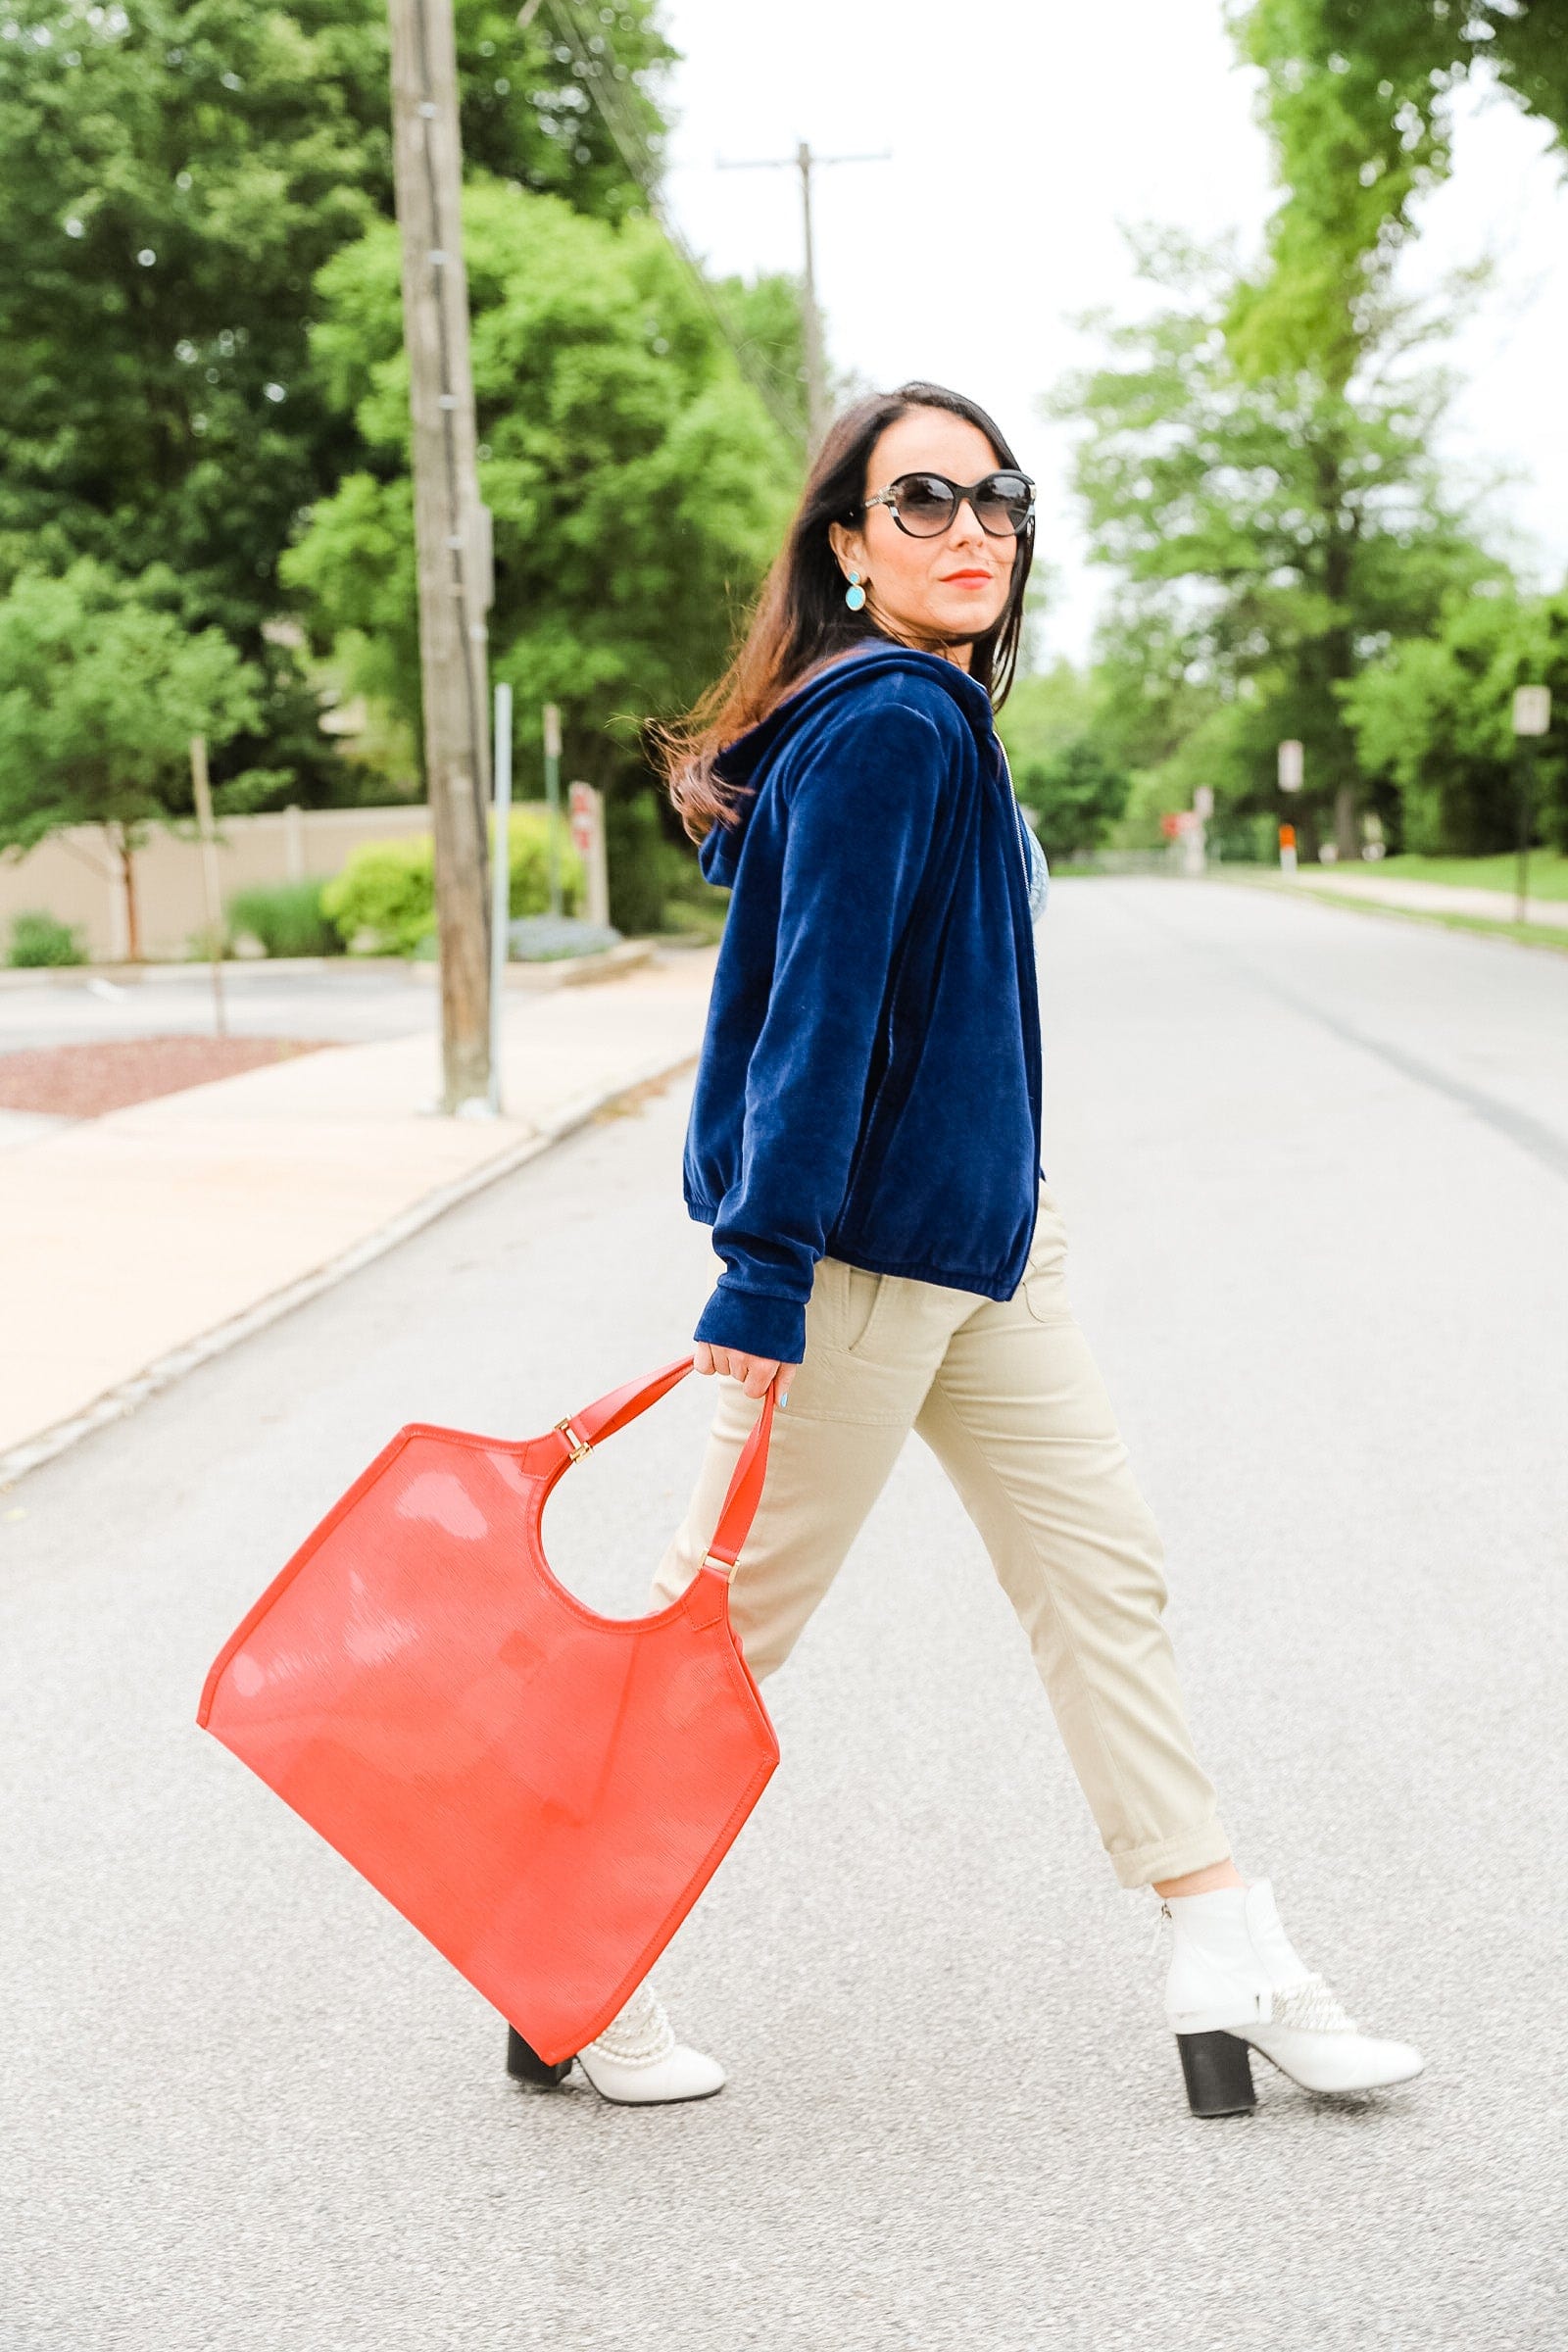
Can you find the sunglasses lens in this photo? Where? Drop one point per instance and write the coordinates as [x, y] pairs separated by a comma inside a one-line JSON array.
[[925, 504], [1004, 504]]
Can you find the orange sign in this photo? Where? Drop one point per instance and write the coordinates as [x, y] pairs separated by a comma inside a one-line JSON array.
[[1287, 837]]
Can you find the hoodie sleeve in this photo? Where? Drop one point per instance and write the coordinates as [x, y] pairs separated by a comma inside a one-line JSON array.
[[858, 833]]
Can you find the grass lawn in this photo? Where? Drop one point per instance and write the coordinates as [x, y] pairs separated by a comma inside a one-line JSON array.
[[1548, 872], [1263, 877], [1528, 935]]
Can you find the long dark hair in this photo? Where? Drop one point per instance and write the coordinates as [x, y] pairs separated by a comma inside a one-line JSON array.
[[801, 620]]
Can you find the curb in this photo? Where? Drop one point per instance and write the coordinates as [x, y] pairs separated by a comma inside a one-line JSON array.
[[117, 1402], [157, 975], [605, 963], [567, 971]]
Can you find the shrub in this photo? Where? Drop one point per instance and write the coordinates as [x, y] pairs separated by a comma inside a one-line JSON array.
[[385, 896], [639, 860], [528, 847], [287, 917], [694, 908], [38, 941]]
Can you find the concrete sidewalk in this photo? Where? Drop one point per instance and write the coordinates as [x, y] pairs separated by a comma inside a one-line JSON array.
[[137, 1244], [1428, 897]]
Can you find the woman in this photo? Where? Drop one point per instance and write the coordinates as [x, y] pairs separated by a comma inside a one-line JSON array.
[[864, 1140]]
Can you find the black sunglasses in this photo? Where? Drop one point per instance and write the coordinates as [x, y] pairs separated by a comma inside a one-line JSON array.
[[924, 504]]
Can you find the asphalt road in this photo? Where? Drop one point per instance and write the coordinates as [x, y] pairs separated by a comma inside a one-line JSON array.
[[1315, 1168]]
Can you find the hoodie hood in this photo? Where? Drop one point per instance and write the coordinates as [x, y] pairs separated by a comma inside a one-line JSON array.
[[744, 760]]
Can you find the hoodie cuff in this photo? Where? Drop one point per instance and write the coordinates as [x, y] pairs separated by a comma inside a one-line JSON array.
[[757, 1322]]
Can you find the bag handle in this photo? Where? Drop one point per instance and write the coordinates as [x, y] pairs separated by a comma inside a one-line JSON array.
[[611, 1412]]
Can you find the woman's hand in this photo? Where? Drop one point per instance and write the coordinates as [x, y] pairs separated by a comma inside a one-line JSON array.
[[753, 1372]]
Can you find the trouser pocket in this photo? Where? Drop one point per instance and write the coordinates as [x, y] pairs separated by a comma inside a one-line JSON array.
[[1044, 1274], [850, 1299]]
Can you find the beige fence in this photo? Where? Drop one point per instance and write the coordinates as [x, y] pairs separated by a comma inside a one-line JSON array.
[[77, 876]]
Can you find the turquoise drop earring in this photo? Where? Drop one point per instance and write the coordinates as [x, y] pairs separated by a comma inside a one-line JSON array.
[[855, 593]]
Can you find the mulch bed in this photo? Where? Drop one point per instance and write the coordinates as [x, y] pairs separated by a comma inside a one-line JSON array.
[[81, 1082]]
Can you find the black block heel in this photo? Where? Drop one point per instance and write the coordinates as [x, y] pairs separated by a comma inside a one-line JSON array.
[[524, 2064], [1218, 2069]]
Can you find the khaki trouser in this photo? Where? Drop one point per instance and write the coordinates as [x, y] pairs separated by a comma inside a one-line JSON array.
[[1006, 1396]]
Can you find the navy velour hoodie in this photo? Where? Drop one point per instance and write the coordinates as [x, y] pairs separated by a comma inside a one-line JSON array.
[[869, 1079]]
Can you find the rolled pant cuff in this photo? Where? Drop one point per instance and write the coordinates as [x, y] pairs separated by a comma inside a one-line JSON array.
[[1173, 1857]]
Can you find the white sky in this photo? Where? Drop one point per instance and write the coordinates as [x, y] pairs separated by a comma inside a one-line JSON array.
[[1022, 131]]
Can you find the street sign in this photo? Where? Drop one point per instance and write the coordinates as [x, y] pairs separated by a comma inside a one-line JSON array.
[[1532, 717], [1290, 766], [586, 809]]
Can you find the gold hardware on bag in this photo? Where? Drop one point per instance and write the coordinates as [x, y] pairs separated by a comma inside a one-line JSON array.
[[580, 1446]]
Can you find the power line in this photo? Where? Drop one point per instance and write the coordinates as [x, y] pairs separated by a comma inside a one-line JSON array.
[[599, 76], [632, 147], [805, 163]]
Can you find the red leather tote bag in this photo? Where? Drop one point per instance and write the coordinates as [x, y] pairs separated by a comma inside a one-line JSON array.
[[542, 1791]]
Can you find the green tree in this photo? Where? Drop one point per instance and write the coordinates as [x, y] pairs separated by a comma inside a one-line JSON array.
[[102, 686], [1272, 536], [1047, 710], [638, 487], [1064, 756], [176, 172], [1358, 97], [1433, 720], [765, 317], [1076, 794]]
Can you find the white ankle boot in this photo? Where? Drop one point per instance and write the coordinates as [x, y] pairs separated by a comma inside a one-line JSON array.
[[637, 2061], [1236, 1983]]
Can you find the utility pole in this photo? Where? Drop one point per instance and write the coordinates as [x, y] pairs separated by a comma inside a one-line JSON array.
[[450, 529], [805, 163], [815, 361]]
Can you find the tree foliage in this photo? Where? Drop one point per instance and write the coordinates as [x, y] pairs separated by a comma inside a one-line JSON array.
[[637, 485], [1076, 794], [177, 172], [1433, 720], [102, 686], [1062, 751], [1358, 97], [1272, 536]]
